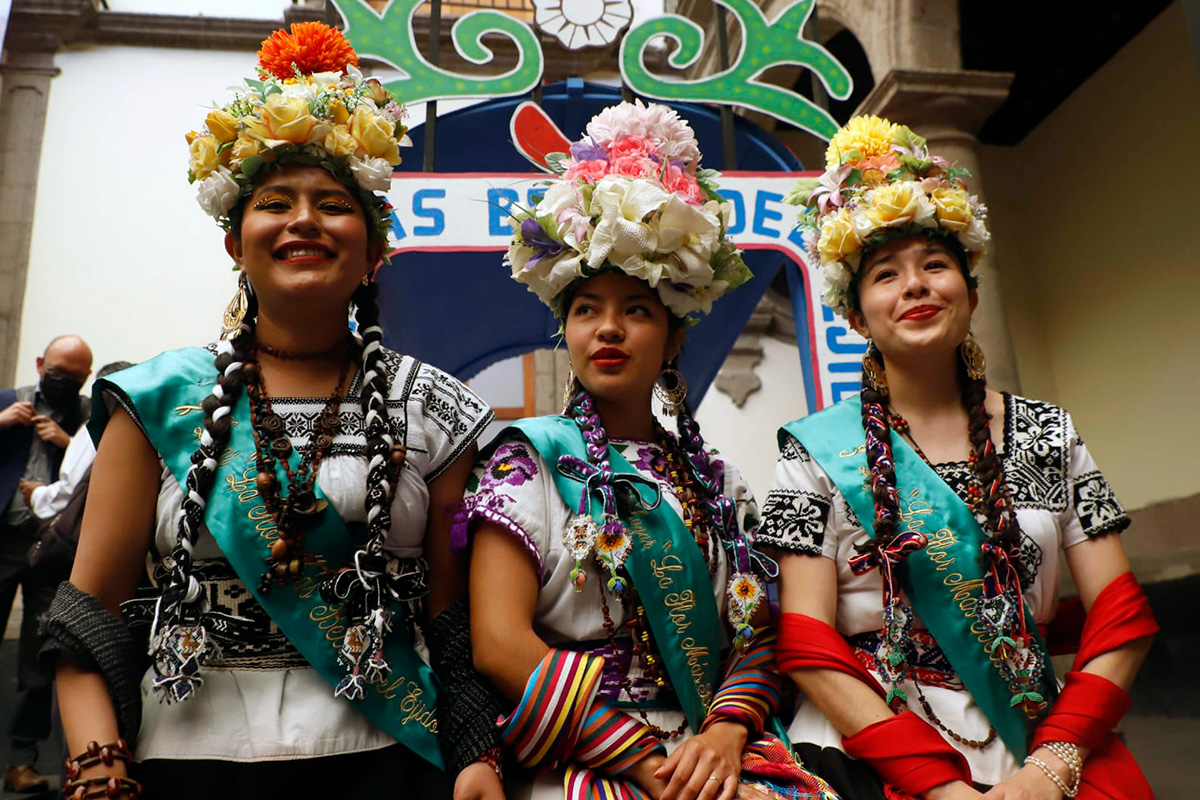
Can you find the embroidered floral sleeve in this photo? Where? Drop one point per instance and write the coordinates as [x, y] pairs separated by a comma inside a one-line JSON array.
[[1094, 509], [797, 515], [510, 489]]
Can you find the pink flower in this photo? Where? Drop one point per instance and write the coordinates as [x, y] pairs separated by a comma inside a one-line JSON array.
[[683, 183], [590, 171], [632, 167], [630, 146]]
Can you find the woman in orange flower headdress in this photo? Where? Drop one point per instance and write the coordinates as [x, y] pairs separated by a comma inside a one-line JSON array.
[[290, 483]]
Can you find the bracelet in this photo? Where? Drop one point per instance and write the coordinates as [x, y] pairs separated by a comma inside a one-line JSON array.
[[102, 786], [1068, 753], [1052, 775], [494, 758], [95, 754]]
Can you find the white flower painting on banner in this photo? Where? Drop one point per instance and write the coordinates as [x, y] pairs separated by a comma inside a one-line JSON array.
[[582, 23]]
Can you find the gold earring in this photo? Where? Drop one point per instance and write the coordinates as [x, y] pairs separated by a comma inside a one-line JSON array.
[[366, 281], [569, 388], [235, 312], [873, 370], [973, 357], [671, 390]]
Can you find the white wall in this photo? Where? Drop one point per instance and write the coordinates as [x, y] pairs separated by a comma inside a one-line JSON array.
[[746, 435]]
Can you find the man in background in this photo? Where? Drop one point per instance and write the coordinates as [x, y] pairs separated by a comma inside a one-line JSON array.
[[36, 424]]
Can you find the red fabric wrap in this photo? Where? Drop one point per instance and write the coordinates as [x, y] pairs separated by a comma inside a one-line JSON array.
[[1090, 706], [1085, 713], [908, 753], [808, 643], [1120, 614]]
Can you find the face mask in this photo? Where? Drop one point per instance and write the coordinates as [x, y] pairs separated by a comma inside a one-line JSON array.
[[60, 391]]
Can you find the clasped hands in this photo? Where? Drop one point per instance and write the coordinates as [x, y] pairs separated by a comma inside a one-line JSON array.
[[23, 413], [705, 767]]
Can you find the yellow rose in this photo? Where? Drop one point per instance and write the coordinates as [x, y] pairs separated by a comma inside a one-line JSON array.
[[286, 120], [337, 110], [339, 142], [374, 135], [204, 156], [898, 204], [953, 208], [838, 237], [191, 137], [244, 148], [222, 125]]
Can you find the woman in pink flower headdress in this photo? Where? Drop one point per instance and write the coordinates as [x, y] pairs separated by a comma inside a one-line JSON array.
[[616, 595]]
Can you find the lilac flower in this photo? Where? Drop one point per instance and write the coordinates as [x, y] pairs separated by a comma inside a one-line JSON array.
[[510, 465], [587, 150], [533, 235]]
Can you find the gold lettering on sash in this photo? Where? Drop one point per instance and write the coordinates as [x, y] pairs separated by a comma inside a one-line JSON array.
[[669, 563], [678, 604], [697, 661], [862, 448]]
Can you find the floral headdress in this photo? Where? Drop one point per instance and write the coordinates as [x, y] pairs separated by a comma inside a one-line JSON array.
[[630, 195], [881, 183], [310, 105]]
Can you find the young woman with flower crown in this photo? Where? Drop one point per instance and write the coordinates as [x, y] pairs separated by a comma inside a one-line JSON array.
[[921, 523], [616, 595], [291, 484]]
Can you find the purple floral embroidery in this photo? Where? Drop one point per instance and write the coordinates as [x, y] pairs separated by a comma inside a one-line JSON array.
[[651, 459], [511, 465]]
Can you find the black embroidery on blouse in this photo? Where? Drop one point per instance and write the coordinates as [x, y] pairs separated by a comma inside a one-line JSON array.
[[793, 451], [1097, 506], [794, 520], [1035, 454]]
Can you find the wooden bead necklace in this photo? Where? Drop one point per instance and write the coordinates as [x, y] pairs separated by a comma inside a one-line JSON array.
[[295, 511]]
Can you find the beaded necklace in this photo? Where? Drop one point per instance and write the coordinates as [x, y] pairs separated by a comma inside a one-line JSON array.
[[293, 512]]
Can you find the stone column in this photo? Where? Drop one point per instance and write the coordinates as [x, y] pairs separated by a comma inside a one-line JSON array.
[[948, 107], [23, 100]]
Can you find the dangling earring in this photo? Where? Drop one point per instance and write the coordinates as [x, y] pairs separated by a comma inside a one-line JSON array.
[[671, 390], [873, 370], [569, 388], [973, 357], [235, 312], [366, 281]]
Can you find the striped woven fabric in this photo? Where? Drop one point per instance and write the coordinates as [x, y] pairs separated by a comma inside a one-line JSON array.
[[581, 783], [770, 764], [752, 687], [559, 720]]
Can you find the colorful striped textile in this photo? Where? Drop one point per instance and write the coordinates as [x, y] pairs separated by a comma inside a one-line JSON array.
[[558, 719], [770, 764], [751, 689], [581, 783]]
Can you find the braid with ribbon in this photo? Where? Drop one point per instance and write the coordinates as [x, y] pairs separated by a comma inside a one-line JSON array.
[[1002, 610], [179, 643], [887, 549], [367, 589], [748, 567]]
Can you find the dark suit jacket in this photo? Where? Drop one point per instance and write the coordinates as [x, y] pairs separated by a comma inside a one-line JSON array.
[[16, 440]]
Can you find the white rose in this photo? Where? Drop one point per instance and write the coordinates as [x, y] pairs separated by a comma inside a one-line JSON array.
[[684, 300], [218, 192], [690, 234], [621, 232], [372, 174], [837, 275], [976, 237]]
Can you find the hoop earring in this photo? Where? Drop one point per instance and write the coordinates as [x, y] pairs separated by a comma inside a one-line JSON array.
[[235, 312], [671, 390], [569, 388], [973, 357], [873, 370]]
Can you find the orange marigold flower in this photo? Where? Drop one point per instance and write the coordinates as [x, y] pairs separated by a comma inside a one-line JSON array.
[[311, 46]]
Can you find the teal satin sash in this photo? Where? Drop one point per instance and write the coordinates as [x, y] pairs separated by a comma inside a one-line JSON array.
[[165, 394], [944, 579], [665, 564]]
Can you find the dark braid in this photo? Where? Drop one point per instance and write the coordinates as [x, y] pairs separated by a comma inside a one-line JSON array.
[[1001, 522], [879, 460], [721, 509], [182, 599], [375, 386]]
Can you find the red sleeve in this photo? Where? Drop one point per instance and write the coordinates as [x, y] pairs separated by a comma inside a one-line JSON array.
[[908, 753], [808, 643]]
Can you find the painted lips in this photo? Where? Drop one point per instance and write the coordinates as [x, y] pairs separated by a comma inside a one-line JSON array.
[[609, 358], [921, 313]]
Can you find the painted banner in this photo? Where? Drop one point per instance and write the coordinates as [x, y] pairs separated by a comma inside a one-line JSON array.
[[468, 212]]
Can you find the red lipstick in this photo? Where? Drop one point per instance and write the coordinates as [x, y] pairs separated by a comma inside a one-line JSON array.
[[609, 358], [921, 313]]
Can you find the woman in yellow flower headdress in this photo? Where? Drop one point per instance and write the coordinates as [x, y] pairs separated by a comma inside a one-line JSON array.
[[920, 523], [625, 611], [291, 484]]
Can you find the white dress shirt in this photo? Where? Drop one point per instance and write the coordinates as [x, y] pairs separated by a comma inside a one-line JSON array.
[[52, 499]]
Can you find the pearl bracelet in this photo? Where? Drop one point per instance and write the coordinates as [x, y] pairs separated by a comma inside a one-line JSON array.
[[1069, 754], [1052, 775]]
